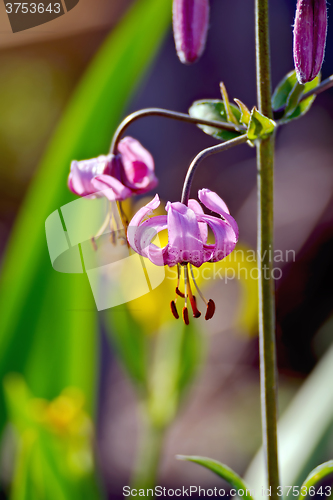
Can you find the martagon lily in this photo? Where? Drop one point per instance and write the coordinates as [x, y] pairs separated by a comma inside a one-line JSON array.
[[117, 176], [187, 245]]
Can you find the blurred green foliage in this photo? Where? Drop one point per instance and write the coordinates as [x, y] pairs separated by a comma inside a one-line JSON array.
[[48, 322]]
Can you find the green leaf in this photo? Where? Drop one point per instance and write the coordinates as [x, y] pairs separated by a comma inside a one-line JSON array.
[[230, 116], [284, 91], [214, 109], [221, 470], [302, 427], [293, 99], [316, 475], [54, 314], [260, 127], [245, 113]]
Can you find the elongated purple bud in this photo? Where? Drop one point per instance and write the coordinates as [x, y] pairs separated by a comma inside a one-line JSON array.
[[309, 38], [190, 26]]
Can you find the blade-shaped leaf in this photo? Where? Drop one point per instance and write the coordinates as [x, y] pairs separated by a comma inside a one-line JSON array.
[[230, 116], [283, 91], [221, 470], [213, 109], [302, 426], [28, 285], [245, 113], [315, 476], [293, 99]]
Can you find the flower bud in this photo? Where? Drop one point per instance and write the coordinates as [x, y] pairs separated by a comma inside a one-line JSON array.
[[190, 26], [309, 38]]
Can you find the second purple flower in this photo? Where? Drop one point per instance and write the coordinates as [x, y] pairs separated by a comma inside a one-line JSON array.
[[129, 172]]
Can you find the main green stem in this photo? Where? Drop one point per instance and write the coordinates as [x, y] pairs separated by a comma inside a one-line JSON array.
[[265, 173]]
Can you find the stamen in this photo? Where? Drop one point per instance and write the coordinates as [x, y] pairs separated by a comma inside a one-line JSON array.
[[113, 230], [185, 316], [210, 309], [174, 309], [122, 215], [94, 244], [198, 289], [178, 292], [196, 312], [101, 230]]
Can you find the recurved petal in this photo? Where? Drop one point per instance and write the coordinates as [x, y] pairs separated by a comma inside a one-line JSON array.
[[185, 243], [112, 189], [225, 238], [212, 201], [82, 172], [138, 165], [138, 218], [144, 235], [132, 150]]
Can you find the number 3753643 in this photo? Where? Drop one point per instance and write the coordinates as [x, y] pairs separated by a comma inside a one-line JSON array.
[[32, 8]]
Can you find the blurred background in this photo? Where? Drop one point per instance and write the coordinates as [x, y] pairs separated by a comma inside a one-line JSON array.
[[219, 416]]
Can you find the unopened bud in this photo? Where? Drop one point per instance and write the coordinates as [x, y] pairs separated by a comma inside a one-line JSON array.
[[190, 26], [309, 38]]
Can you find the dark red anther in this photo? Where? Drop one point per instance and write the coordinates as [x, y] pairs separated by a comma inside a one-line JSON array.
[[174, 309], [210, 309], [196, 312], [185, 316], [178, 292]]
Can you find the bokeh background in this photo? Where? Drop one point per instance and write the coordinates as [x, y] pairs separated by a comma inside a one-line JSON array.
[[219, 416]]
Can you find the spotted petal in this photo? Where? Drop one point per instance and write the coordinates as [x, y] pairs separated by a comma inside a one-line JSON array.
[[185, 243]]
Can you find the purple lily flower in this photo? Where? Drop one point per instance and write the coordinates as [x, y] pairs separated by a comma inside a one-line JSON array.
[[190, 27], [187, 239], [129, 172], [309, 38]]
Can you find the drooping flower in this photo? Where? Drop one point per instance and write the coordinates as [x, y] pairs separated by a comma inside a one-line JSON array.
[[187, 245], [129, 172], [190, 27], [309, 38]]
